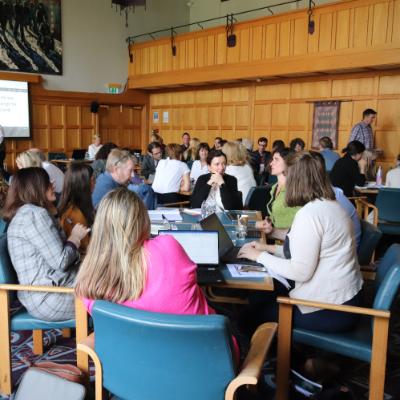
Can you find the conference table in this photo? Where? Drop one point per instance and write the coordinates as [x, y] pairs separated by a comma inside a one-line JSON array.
[[229, 220]]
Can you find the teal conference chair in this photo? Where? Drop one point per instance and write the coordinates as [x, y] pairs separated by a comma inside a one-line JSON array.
[[367, 342], [144, 355], [388, 204], [20, 320], [257, 199]]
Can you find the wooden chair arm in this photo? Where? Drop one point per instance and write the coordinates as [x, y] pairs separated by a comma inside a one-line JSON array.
[[49, 289], [335, 307], [260, 344], [87, 346]]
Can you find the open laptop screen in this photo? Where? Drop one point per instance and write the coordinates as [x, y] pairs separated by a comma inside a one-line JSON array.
[[200, 246]]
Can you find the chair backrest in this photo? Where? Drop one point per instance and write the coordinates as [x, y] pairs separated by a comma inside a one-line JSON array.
[[2, 226], [387, 201], [257, 199], [150, 356], [7, 271], [387, 281], [370, 236]]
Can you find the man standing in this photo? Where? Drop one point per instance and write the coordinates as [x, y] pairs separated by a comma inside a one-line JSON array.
[[363, 130], [119, 170], [150, 161]]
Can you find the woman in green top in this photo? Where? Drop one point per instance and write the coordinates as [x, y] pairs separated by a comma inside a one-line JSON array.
[[280, 215]]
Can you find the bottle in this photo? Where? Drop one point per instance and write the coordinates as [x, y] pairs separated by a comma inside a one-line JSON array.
[[379, 176]]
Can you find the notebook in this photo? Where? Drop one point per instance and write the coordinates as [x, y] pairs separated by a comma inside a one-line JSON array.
[[202, 248]]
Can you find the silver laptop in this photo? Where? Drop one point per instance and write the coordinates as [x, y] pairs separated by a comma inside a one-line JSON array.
[[202, 249]]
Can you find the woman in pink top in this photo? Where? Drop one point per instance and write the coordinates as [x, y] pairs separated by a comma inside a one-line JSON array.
[[123, 265]]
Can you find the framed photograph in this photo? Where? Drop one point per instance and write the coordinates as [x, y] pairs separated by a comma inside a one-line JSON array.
[[325, 122], [30, 36]]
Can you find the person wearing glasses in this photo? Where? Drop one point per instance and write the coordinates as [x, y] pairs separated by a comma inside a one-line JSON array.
[[150, 161], [119, 169]]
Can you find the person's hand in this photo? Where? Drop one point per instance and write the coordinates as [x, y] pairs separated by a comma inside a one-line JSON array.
[[249, 251], [216, 179], [265, 225], [78, 232]]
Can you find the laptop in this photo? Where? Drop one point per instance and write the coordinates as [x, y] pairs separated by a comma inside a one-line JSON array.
[[202, 248], [227, 250], [79, 154]]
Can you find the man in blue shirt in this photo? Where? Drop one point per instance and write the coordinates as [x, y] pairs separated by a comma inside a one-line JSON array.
[[330, 156], [363, 130]]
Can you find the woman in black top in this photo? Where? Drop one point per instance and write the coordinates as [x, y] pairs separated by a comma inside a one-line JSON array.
[[225, 192], [349, 170]]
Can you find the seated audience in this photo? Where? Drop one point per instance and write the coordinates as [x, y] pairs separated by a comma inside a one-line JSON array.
[[319, 255], [76, 200], [119, 169], [216, 187], [217, 143], [143, 190], [277, 145], [28, 159], [393, 176], [370, 157], [39, 251], [172, 176], [349, 170], [150, 160], [189, 155], [237, 166], [280, 214], [261, 159], [3, 190], [326, 150], [199, 166], [94, 147], [55, 173], [99, 164], [148, 274], [297, 144], [185, 141], [155, 137]]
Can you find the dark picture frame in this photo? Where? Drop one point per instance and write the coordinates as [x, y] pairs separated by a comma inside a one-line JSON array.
[[30, 36]]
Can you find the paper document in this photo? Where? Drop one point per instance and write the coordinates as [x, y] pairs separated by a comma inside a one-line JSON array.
[[196, 212], [171, 214]]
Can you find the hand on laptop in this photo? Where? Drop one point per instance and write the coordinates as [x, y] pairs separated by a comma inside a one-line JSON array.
[[251, 251]]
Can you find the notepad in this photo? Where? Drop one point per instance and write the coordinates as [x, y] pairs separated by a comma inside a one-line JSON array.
[[171, 214]]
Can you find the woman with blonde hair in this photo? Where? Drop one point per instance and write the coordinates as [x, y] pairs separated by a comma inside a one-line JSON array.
[[123, 265], [237, 166], [28, 159], [190, 154]]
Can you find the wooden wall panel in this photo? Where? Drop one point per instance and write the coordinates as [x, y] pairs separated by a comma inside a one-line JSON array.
[[284, 110]]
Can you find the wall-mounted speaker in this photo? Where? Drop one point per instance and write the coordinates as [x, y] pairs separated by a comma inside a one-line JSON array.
[[94, 107]]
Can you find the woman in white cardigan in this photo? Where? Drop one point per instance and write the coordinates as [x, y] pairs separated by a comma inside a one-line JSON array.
[[319, 255]]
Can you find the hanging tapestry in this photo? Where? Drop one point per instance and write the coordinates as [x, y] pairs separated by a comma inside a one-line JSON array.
[[325, 122]]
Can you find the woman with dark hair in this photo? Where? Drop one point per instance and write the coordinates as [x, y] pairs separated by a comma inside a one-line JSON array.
[[76, 200], [318, 257], [39, 251], [199, 166], [277, 145], [297, 144], [99, 164], [349, 170], [280, 214], [216, 187]]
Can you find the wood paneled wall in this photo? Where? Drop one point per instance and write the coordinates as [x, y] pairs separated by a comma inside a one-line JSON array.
[[62, 121], [283, 110], [348, 34]]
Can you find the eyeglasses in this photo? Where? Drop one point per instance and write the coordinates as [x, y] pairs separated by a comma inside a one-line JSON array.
[[157, 154], [122, 158]]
